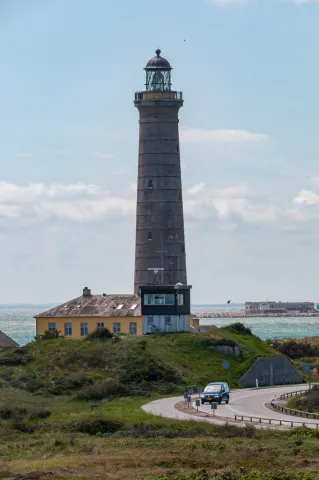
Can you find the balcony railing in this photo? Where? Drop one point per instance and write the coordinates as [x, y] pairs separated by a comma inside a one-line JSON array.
[[154, 96]]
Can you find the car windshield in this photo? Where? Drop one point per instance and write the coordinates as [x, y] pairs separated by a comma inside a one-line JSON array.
[[212, 388]]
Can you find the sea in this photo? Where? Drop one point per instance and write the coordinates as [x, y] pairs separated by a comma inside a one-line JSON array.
[[19, 323]]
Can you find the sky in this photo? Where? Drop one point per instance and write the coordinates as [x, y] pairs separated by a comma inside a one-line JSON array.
[[248, 139]]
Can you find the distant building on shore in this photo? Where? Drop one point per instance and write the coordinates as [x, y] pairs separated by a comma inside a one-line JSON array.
[[279, 307]]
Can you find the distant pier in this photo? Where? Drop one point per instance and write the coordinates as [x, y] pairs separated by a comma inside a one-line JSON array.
[[243, 314]]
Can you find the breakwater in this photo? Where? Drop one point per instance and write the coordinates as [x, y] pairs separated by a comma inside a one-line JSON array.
[[243, 314]]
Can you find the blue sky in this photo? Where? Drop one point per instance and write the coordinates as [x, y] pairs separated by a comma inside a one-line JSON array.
[[249, 144]]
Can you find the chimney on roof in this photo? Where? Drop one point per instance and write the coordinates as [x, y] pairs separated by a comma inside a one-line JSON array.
[[87, 292]]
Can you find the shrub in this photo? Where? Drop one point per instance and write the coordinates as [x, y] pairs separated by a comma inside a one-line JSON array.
[[144, 368], [22, 427], [38, 412], [294, 349], [95, 425], [98, 391], [211, 342], [49, 335], [310, 399], [101, 333], [7, 411], [235, 475], [240, 328]]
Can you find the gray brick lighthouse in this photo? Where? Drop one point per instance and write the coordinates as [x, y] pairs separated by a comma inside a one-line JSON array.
[[160, 239]]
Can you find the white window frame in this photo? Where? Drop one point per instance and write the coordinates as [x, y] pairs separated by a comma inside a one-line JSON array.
[[133, 328], [84, 329], [68, 329], [116, 327], [100, 326]]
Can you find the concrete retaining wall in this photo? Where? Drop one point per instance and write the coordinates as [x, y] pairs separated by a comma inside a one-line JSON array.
[[228, 350], [271, 371]]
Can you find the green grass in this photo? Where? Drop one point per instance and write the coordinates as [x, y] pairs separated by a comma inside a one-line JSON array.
[[114, 438], [153, 364]]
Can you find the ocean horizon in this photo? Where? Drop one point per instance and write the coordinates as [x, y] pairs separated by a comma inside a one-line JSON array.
[[19, 323]]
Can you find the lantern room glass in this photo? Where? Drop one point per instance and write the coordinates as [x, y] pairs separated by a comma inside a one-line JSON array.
[[158, 80]]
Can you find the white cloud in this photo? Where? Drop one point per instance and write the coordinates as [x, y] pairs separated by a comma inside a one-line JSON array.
[[23, 155], [197, 135], [199, 187], [78, 202], [235, 203], [306, 197], [82, 202], [100, 155]]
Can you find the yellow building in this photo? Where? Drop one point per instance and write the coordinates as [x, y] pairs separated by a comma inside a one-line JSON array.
[[83, 315]]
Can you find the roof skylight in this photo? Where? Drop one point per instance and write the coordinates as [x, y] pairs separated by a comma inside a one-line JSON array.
[[119, 306]]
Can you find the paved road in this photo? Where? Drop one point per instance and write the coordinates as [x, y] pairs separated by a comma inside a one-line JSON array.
[[248, 402]]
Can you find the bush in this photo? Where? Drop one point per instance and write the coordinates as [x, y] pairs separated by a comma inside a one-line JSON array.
[[95, 426], [211, 342], [101, 333], [22, 427], [7, 411], [235, 475], [38, 412], [294, 349], [144, 368], [107, 389], [310, 399], [49, 335], [240, 328]]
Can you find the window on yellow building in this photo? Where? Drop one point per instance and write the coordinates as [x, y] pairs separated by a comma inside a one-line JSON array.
[[100, 325], [68, 329], [51, 326], [84, 330], [133, 328], [116, 327]]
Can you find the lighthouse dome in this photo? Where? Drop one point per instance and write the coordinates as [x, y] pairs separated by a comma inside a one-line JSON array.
[[158, 63]]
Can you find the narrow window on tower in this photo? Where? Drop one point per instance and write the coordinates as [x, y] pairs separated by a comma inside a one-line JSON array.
[[150, 184], [149, 236], [177, 148]]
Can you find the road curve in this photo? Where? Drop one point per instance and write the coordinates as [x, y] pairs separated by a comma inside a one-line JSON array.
[[247, 402]]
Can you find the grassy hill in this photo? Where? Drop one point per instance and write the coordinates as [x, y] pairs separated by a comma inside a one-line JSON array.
[[97, 369], [54, 423]]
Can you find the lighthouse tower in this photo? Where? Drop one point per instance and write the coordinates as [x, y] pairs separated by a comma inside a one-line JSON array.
[[160, 240]]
